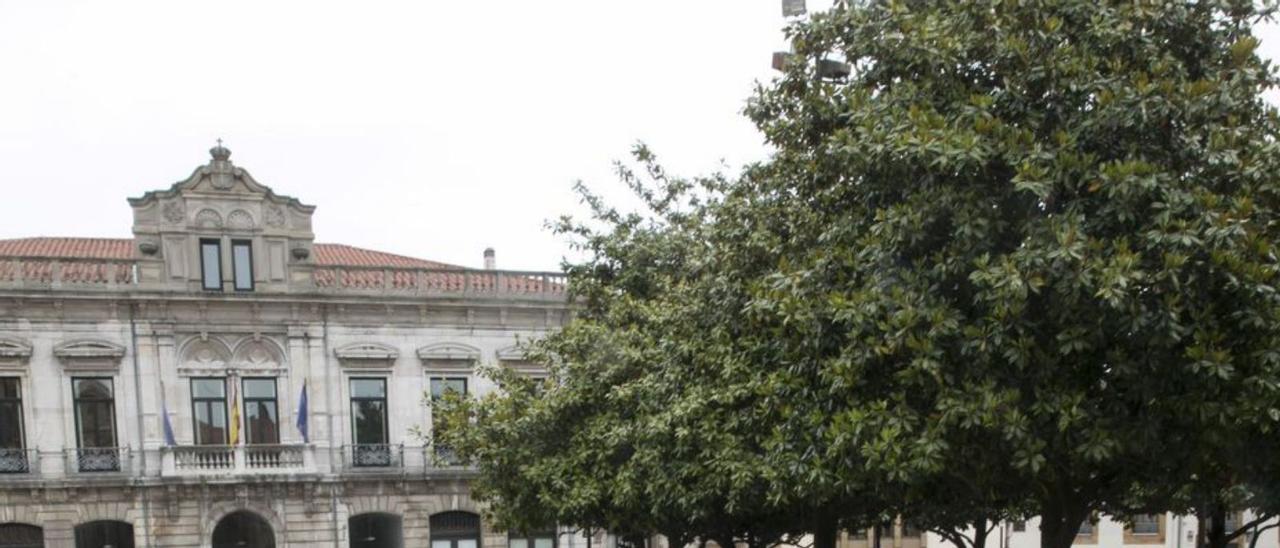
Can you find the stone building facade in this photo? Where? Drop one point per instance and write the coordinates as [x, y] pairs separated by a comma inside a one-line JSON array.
[[151, 388]]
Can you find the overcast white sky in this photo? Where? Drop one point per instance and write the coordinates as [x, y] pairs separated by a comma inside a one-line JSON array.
[[431, 129]]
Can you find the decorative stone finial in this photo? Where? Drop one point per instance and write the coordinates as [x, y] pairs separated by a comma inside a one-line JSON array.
[[220, 153]]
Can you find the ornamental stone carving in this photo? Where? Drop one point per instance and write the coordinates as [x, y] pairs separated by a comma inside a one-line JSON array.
[[240, 219], [208, 218], [14, 353], [275, 216], [369, 355], [94, 355], [174, 212]]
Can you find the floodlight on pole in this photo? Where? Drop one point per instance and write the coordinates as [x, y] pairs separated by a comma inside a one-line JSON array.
[[793, 8], [834, 70], [782, 60]]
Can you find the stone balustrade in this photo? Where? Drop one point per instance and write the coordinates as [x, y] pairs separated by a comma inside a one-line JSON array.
[[84, 274], [238, 460]]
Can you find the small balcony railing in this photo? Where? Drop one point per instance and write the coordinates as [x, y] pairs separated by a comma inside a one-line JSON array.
[[98, 460], [18, 461], [373, 456], [213, 460]]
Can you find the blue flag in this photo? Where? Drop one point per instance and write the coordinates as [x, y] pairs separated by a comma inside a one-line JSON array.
[[168, 428], [302, 414]]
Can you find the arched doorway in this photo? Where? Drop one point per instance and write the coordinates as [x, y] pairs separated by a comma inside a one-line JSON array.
[[104, 534], [455, 530], [21, 535], [375, 531], [243, 529]]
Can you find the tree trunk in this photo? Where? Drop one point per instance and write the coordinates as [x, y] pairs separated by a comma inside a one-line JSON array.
[[981, 529], [1217, 534], [1060, 523], [825, 532]]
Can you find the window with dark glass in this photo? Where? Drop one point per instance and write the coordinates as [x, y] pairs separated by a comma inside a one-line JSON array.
[[369, 422], [211, 264], [442, 385], [242, 264], [209, 411], [1146, 524], [13, 458], [243, 529], [21, 535], [261, 418], [538, 539], [455, 530], [95, 411], [1086, 528], [1020, 526], [439, 387]]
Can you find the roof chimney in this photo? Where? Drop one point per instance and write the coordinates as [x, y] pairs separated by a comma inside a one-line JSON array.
[[489, 262]]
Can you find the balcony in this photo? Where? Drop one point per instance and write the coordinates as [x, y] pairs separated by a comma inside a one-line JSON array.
[[238, 460], [372, 458], [98, 460], [19, 461]]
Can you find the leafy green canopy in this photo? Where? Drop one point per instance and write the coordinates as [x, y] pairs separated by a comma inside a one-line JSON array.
[[1021, 261], [1049, 225]]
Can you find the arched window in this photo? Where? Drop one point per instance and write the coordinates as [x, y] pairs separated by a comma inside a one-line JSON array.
[[104, 534], [21, 535], [375, 531], [455, 530], [243, 529]]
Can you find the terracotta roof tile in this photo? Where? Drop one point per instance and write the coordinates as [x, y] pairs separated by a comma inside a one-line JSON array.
[[345, 255], [83, 248], [122, 248]]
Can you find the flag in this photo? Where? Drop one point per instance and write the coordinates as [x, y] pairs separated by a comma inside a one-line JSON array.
[[302, 414], [235, 415], [168, 428]]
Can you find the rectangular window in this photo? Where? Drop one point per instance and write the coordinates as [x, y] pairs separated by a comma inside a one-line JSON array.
[[1086, 528], [242, 264], [211, 264], [95, 412], [209, 411], [369, 423], [1020, 526], [1147, 524], [539, 539], [439, 387], [13, 457], [261, 416]]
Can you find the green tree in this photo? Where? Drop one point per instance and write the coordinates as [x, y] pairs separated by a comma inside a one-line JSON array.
[[1047, 222]]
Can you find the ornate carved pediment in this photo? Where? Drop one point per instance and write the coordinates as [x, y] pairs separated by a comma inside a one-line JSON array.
[[367, 355], [14, 353], [514, 357], [89, 354], [449, 356], [213, 356], [448, 351]]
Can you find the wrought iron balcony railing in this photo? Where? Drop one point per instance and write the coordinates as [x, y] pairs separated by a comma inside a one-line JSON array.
[[98, 460], [373, 456], [19, 461]]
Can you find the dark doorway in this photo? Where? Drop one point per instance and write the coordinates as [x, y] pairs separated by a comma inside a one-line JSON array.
[[243, 529], [104, 534], [375, 531], [21, 535]]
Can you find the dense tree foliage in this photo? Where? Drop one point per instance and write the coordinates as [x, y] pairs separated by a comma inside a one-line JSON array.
[[1021, 261]]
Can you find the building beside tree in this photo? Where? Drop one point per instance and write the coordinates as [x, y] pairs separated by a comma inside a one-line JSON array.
[[221, 379]]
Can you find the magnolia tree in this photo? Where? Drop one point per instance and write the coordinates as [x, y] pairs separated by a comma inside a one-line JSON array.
[[1019, 261]]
